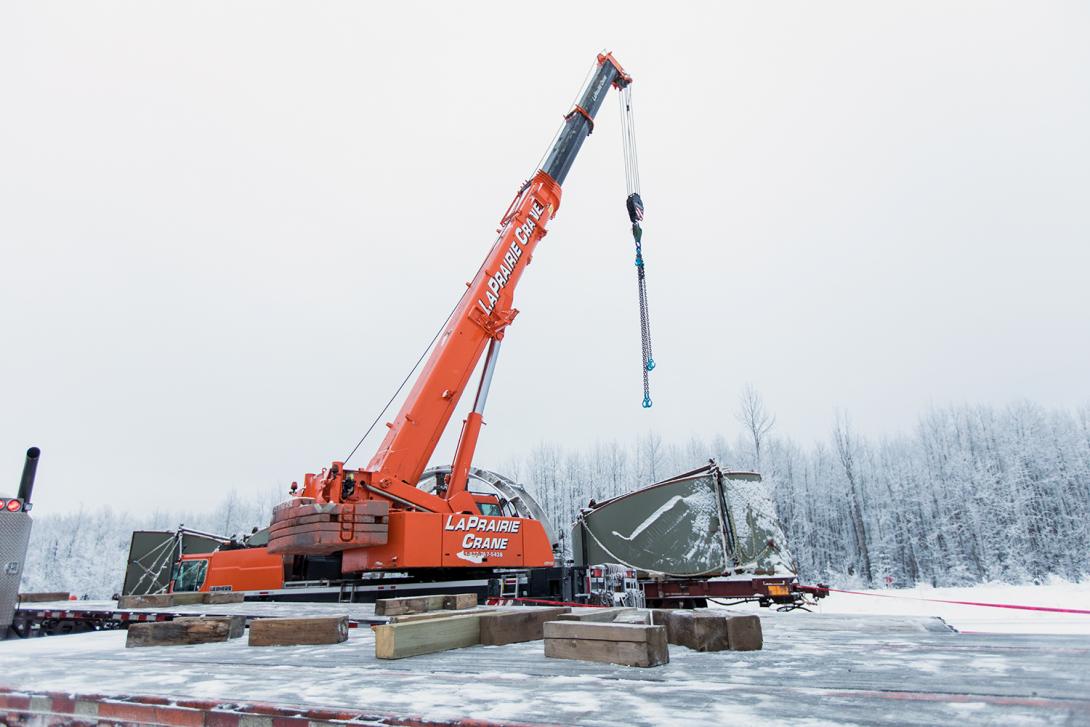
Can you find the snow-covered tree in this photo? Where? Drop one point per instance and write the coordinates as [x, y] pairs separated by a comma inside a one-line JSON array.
[[971, 494]]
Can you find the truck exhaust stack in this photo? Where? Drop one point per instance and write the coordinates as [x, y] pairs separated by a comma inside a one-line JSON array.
[[30, 469], [15, 526]]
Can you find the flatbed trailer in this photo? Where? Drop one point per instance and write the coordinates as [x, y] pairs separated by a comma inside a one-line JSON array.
[[76, 617], [72, 617], [814, 668], [782, 591]]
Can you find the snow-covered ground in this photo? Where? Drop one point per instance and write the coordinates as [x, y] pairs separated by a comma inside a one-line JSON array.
[[909, 602], [813, 670], [821, 669]]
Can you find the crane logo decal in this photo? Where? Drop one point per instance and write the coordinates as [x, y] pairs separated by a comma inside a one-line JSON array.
[[499, 279], [476, 548]]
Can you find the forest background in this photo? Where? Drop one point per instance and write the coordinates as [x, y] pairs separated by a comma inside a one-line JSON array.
[[972, 494]]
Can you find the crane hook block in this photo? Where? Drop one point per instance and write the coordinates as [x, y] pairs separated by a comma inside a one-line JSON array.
[[635, 207]]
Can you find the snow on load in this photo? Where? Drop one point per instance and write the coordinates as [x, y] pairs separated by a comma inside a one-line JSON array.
[[706, 522]]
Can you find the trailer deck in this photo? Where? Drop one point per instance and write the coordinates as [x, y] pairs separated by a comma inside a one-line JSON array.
[[62, 617], [814, 669]]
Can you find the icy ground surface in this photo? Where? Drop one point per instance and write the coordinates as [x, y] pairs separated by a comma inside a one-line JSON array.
[[814, 669], [975, 618]]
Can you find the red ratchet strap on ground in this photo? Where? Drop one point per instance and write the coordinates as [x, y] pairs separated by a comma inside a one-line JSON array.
[[969, 603]]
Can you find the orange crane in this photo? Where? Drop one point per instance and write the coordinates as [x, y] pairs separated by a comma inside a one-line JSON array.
[[378, 517]]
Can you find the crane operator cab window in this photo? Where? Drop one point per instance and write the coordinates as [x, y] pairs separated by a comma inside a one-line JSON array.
[[189, 575], [492, 506]]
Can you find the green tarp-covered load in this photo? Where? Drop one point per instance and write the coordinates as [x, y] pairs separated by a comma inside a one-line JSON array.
[[708, 522], [153, 553]]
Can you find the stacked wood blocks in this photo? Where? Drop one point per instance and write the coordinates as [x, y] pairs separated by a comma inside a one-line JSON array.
[[425, 625], [184, 631], [424, 604], [298, 631], [626, 636], [426, 636], [614, 643], [518, 625], [439, 631], [263, 631], [707, 631], [598, 615], [623, 636]]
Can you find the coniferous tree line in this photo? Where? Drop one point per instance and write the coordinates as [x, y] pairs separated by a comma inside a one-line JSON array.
[[971, 494]]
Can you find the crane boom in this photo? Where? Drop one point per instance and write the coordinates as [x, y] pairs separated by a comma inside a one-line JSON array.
[[377, 517], [486, 308]]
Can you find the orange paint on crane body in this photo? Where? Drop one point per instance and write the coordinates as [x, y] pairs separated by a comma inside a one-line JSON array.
[[242, 569], [423, 540], [484, 311]]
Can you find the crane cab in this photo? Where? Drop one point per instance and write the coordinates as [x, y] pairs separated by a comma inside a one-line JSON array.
[[245, 568]]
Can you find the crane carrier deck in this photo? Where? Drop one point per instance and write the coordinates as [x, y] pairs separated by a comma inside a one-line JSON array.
[[814, 669]]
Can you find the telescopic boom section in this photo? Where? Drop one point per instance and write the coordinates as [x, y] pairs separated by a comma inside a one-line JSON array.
[[481, 317]]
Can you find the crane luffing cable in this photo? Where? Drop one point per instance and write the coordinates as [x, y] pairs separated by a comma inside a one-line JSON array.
[[399, 388], [402, 385], [634, 205]]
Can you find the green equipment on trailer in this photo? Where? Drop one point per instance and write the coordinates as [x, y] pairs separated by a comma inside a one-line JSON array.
[[705, 534]]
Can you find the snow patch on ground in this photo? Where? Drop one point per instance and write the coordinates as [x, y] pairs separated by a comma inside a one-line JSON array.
[[1056, 594]]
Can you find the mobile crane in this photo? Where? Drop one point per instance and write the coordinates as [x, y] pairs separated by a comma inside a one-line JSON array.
[[358, 534], [388, 516]]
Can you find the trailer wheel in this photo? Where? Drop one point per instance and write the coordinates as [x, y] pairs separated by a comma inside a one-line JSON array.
[[62, 627], [21, 628]]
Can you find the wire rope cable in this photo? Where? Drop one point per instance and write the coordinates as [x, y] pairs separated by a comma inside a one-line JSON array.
[[420, 360], [574, 102], [634, 205]]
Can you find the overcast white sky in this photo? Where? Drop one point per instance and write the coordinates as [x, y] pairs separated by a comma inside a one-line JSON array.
[[228, 229]]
